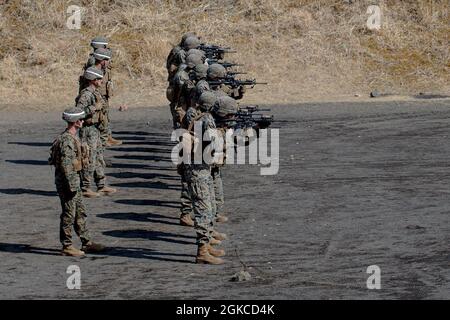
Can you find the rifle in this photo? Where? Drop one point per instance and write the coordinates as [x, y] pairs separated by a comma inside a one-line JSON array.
[[257, 121], [225, 64], [231, 74], [243, 120], [214, 52], [250, 109], [235, 83]]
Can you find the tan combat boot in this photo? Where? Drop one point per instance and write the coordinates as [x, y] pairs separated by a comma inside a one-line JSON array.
[[92, 247], [215, 252], [72, 251], [106, 190], [186, 220], [203, 256], [221, 218], [219, 236], [214, 242], [113, 142], [90, 194]]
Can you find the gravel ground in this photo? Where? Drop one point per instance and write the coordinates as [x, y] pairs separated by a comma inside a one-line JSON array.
[[359, 184]]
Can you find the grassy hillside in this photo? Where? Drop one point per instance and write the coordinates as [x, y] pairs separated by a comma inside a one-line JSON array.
[[307, 50]]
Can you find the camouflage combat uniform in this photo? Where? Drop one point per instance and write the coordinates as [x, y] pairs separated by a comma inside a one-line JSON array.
[[68, 165], [191, 114], [106, 91], [201, 87], [91, 101], [90, 62], [201, 189], [216, 175], [185, 197], [174, 60], [182, 86]]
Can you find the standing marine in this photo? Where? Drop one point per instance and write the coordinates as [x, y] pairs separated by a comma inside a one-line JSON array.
[[68, 159], [92, 103], [200, 181], [100, 45]]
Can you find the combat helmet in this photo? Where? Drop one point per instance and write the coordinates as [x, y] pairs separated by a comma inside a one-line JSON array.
[[102, 54], [225, 106], [73, 114], [207, 101], [216, 71], [197, 52], [93, 73], [192, 60], [99, 42], [187, 35], [191, 43], [201, 71]]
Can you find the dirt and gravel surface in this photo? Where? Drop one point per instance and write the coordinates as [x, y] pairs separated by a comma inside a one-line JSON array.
[[359, 184]]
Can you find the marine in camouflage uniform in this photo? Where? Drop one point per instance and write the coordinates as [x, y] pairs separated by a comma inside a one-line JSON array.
[[101, 59], [171, 63], [200, 73], [183, 84], [201, 191], [194, 75], [214, 72], [175, 62], [223, 107], [92, 103], [217, 72], [67, 157]]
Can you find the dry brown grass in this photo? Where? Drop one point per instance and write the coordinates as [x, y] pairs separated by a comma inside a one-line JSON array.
[[307, 50]]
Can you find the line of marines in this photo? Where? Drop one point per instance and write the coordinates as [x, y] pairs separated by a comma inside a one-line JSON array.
[[198, 95]]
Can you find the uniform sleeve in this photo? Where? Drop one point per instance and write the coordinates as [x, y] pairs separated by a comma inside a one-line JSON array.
[[90, 62], [85, 102], [180, 57], [209, 123], [210, 126], [181, 78], [201, 87], [68, 155], [190, 115], [106, 89]]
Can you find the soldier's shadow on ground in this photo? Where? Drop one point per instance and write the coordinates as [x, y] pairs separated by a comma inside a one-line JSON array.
[[144, 158], [161, 143], [148, 176], [137, 253], [140, 133], [150, 235], [126, 138], [32, 144], [143, 253], [29, 191], [148, 202], [140, 217], [140, 149], [116, 165], [145, 138], [30, 162], [26, 248], [146, 184]]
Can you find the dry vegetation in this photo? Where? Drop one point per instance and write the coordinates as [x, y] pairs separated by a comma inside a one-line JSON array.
[[307, 50]]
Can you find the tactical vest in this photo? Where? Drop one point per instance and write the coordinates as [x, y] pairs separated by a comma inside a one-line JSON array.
[[99, 115], [107, 87], [82, 158], [99, 110]]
